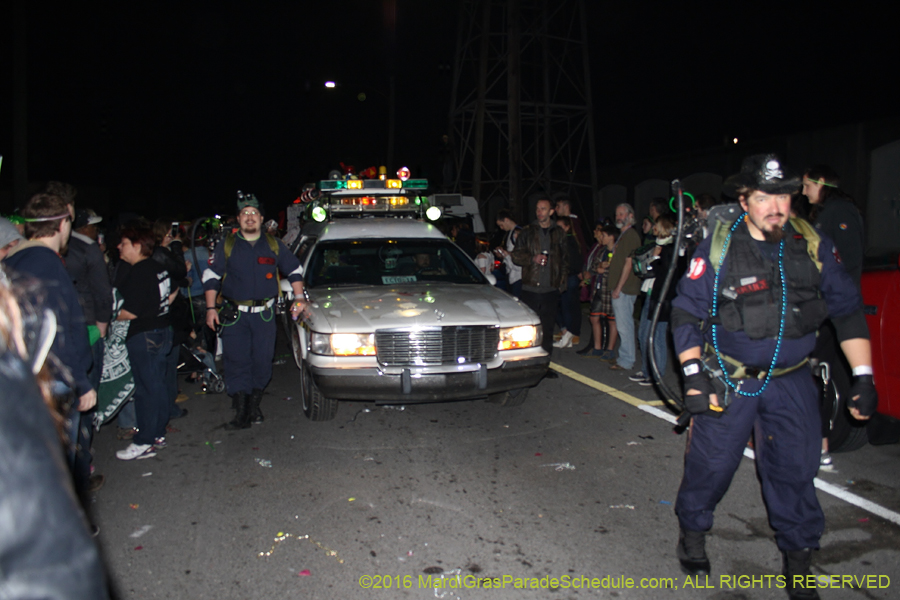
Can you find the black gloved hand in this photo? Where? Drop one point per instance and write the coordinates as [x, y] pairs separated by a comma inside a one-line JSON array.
[[864, 387], [696, 378]]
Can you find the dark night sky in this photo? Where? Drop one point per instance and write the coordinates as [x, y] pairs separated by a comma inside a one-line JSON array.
[[203, 98]]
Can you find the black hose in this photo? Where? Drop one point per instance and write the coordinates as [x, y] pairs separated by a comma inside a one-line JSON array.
[[672, 400], [193, 243]]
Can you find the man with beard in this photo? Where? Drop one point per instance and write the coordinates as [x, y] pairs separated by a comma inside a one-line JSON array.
[[625, 288], [245, 268], [541, 252], [748, 307], [48, 224]]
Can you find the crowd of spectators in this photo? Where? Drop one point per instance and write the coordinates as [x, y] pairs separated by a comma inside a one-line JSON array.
[[57, 268], [613, 280], [602, 276]]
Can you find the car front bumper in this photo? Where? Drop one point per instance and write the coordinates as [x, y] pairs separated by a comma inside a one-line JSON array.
[[408, 387]]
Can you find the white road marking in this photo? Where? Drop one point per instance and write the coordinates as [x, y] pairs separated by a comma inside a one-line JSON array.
[[651, 408]]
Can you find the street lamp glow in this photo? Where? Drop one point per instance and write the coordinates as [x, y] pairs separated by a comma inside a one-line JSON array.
[[330, 84]]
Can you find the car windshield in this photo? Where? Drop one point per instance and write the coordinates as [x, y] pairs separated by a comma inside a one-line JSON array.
[[389, 262]]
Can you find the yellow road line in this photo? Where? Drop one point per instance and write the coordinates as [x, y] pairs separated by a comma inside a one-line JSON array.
[[603, 387], [828, 488]]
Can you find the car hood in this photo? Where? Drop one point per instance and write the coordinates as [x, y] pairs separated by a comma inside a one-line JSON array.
[[367, 309]]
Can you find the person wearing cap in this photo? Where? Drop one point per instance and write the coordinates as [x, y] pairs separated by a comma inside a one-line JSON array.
[[835, 215], [86, 267], [748, 307], [245, 268], [87, 220], [9, 237]]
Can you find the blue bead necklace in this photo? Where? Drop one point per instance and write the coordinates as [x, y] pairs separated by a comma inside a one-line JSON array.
[[715, 310]]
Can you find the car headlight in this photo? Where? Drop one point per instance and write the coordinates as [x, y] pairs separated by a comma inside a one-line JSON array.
[[523, 336], [343, 344]]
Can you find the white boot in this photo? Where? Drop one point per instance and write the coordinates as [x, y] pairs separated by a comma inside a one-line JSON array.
[[565, 341]]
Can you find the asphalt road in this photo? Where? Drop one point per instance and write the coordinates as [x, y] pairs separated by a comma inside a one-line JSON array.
[[429, 500]]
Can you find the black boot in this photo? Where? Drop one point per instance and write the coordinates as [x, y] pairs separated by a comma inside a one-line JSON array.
[[692, 552], [242, 414], [795, 564], [587, 347], [256, 415]]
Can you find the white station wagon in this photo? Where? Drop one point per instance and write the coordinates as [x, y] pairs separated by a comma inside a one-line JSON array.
[[400, 315]]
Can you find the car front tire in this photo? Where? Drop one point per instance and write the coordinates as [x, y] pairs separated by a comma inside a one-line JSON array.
[[316, 407]]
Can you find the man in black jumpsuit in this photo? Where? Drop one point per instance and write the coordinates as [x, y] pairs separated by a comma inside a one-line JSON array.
[[731, 315]]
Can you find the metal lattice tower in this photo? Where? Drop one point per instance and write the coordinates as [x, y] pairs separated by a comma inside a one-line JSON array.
[[521, 116]]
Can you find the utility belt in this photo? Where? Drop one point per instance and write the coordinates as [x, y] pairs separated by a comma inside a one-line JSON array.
[[738, 370], [253, 306], [231, 309]]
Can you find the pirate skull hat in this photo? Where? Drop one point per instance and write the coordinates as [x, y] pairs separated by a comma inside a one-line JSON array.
[[768, 174]]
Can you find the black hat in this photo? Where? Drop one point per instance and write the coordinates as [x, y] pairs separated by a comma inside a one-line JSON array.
[[85, 217], [766, 173]]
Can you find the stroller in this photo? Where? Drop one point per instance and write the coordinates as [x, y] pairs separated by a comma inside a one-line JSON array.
[[197, 343], [199, 361]]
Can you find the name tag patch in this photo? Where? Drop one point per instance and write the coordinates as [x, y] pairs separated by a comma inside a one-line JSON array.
[[756, 286]]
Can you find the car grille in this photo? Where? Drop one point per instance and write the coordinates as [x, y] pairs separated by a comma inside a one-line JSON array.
[[436, 346]]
